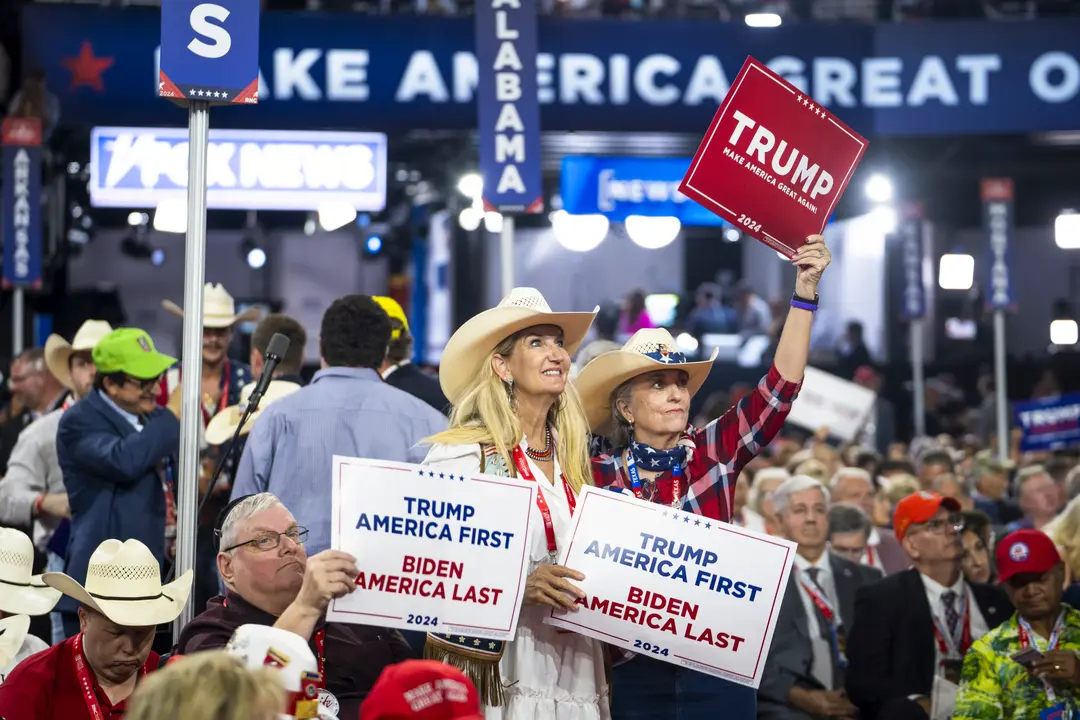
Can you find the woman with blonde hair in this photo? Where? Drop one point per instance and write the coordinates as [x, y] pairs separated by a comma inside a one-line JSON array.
[[515, 414], [212, 685]]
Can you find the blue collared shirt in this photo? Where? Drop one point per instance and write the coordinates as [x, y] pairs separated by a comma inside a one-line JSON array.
[[344, 411], [133, 419]]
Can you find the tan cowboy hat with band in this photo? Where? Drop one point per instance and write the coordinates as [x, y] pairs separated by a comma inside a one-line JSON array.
[[647, 351], [222, 426], [472, 343], [219, 308], [58, 351], [20, 592], [123, 583], [13, 631]]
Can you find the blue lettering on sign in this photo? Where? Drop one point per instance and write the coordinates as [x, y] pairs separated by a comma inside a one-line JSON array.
[[1049, 423], [507, 105], [887, 79], [209, 51], [246, 169], [998, 225], [914, 301]]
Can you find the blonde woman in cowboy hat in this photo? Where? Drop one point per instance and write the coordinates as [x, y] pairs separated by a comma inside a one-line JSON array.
[[22, 594], [639, 398], [91, 675], [515, 414]]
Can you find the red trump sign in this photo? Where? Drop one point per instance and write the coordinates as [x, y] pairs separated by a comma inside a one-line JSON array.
[[773, 162]]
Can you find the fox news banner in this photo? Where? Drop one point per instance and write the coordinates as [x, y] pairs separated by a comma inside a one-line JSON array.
[[1049, 423], [209, 55], [773, 162], [676, 586], [438, 552]]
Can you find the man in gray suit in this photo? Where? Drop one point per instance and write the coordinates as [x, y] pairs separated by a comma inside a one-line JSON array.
[[804, 673]]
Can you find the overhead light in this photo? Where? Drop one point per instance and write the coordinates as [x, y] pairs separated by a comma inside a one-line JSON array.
[[884, 219], [373, 244], [335, 215], [471, 185], [732, 235], [1063, 332], [956, 271], [493, 222], [652, 233], [171, 216], [137, 218], [579, 233], [763, 20], [470, 218], [879, 188], [157, 257], [1067, 230], [254, 255], [687, 343]]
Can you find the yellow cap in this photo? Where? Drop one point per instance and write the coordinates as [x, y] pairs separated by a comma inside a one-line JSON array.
[[391, 307]]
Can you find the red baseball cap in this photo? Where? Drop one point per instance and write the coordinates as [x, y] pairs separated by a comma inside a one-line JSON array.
[[918, 508], [424, 690], [1026, 551]]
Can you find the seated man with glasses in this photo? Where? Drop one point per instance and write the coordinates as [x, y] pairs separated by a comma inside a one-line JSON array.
[[270, 580], [917, 625], [116, 449]]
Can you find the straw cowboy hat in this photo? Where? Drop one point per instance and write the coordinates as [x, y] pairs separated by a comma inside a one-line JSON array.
[[20, 592], [222, 426], [123, 583], [58, 351], [470, 345], [219, 308], [647, 351], [13, 631]]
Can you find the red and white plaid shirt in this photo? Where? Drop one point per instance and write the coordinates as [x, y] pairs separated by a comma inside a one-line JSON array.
[[721, 450]]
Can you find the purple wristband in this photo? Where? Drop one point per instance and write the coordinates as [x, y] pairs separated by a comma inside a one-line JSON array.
[[804, 306]]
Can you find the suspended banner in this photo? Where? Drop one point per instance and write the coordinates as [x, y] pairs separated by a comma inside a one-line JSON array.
[[21, 140], [1050, 423], [246, 169], [998, 223], [913, 303], [508, 108]]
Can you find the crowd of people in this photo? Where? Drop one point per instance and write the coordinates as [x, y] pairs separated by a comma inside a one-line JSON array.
[[932, 578]]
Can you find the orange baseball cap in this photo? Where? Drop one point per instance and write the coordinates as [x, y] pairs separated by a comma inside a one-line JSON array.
[[918, 508]]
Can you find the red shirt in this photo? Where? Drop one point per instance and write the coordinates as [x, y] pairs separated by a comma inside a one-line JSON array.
[[45, 686]]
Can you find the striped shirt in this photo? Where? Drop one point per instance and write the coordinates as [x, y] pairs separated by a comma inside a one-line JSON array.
[[721, 450]]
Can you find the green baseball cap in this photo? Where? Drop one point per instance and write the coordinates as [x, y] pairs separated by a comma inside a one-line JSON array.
[[130, 351]]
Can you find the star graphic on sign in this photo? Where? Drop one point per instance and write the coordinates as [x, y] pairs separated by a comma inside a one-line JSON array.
[[708, 526], [442, 476], [798, 98], [86, 68], [665, 513], [476, 643], [461, 638], [491, 646], [805, 102], [686, 519], [697, 522]]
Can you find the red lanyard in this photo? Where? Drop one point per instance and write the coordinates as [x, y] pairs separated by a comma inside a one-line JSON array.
[[946, 644], [320, 645], [635, 480], [82, 673], [545, 512], [1026, 634], [870, 556], [819, 600]]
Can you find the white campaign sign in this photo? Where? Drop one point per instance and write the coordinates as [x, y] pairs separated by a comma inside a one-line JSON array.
[[437, 552], [676, 586], [829, 401]]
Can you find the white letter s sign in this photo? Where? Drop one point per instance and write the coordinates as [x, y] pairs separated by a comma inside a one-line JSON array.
[[200, 23]]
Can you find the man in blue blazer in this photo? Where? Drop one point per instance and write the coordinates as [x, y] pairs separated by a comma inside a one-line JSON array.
[[117, 452]]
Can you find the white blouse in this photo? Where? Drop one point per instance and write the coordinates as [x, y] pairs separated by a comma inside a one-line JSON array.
[[549, 674]]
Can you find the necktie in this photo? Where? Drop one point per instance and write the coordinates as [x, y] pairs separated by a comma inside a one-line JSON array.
[[815, 573], [952, 619]]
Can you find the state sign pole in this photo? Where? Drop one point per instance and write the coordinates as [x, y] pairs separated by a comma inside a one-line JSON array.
[[187, 487], [506, 254], [17, 316], [918, 377], [1001, 400]]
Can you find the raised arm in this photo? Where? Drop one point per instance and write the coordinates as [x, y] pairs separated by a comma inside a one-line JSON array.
[[794, 346]]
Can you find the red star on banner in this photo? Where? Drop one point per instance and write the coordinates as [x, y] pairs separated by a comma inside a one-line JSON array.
[[86, 69]]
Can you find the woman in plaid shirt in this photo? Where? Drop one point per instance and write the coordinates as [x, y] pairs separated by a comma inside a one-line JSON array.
[[638, 400]]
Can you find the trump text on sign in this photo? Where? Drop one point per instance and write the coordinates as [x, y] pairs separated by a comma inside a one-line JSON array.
[[436, 551]]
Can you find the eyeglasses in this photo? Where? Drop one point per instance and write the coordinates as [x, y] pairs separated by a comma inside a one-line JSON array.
[[854, 554], [271, 540], [142, 384], [939, 526]]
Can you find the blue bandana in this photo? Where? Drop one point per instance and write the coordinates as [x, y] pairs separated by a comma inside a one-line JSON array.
[[649, 458]]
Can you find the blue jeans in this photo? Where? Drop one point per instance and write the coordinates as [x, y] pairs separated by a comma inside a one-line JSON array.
[[55, 563], [646, 689]]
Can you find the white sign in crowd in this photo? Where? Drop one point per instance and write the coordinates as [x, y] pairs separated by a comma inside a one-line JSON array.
[[447, 554]]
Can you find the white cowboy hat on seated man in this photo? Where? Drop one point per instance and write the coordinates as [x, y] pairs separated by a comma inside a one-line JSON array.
[[471, 344], [13, 632], [58, 351], [22, 593], [123, 583], [219, 308]]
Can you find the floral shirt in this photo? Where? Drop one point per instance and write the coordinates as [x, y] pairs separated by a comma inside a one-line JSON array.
[[993, 685]]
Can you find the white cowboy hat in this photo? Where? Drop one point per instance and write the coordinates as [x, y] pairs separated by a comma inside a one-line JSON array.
[[20, 592], [219, 308], [123, 583], [222, 426], [13, 631], [58, 351], [472, 343], [647, 351]]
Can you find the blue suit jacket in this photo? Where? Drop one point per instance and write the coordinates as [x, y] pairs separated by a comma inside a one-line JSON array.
[[110, 470]]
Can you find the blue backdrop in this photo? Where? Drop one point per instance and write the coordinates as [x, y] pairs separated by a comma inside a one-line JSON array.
[[392, 73]]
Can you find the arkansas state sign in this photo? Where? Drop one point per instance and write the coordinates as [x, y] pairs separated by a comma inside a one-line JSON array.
[[773, 162]]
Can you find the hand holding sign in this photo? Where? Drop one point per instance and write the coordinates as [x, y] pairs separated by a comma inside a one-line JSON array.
[[810, 262], [546, 586], [329, 575]]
